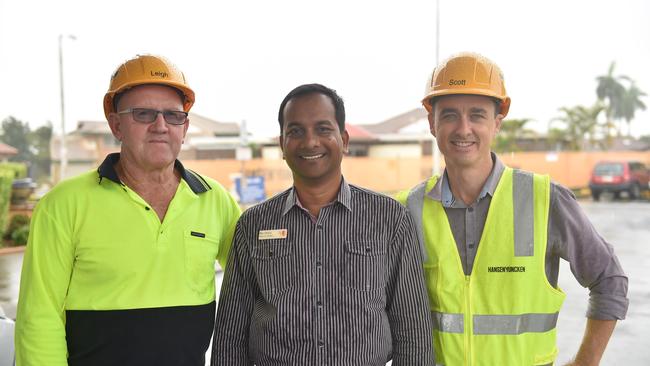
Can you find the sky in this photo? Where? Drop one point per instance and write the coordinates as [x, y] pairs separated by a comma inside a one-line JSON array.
[[242, 57]]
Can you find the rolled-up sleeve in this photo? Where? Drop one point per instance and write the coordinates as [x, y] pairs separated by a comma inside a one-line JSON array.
[[592, 259]]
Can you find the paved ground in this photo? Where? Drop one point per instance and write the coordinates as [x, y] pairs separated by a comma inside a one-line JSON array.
[[625, 224]]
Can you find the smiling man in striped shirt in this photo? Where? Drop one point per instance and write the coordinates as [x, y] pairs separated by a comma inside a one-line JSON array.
[[325, 273]]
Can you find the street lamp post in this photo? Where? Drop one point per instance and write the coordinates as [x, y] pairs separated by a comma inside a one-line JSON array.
[[63, 158], [434, 143]]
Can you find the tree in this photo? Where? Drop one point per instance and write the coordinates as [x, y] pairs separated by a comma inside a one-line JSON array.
[[630, 103], [40, 146], [580, 126], [33, 146], [610, 91], [16, 133], [511, 131], [621, 103]]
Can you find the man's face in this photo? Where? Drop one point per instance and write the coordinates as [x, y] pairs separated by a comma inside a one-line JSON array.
[[464, 127], [311, 141], [150, 146]]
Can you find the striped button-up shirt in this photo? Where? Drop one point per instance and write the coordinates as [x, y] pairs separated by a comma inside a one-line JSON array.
[[347, 289]]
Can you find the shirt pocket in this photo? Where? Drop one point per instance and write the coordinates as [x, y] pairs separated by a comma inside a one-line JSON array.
[[275, 266], [200, 257], [365, 265]]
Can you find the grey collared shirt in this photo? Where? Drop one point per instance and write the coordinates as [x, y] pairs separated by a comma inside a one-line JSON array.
[[347, 289], [570, 237]]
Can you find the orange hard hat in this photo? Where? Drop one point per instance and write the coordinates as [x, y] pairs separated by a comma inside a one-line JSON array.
[[147, 69], [467, 73]]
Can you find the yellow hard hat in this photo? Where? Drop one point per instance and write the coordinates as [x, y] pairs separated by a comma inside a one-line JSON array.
[[147, 69], [467, 73]]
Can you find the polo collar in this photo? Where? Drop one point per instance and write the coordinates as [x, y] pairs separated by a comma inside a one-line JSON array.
[[441, 191], [196, 183]]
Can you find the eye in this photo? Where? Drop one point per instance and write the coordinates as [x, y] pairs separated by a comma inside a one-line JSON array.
[[293, 132], [324, 130], [448, 116]]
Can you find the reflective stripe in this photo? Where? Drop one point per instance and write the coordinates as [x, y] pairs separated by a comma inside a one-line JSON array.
[[523, 209], [514, 324], [415, 203], [449, 323]]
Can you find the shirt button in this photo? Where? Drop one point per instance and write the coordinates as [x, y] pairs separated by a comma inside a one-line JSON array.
[[319, 263], [367, 249], [319, 227], [319, 303], [321, 344], [147, 208], [470, 209]]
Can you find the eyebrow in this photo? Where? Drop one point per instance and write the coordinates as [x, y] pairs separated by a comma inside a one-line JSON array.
[[477, 110]]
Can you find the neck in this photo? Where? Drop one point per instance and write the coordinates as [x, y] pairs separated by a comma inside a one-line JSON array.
[[466, 183], [314, 196], [132, 173]]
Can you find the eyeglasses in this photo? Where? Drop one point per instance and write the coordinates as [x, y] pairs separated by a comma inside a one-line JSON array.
[[146, 115]]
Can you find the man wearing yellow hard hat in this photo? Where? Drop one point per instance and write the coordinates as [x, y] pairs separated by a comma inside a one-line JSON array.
[[493, 237], [119, 267]]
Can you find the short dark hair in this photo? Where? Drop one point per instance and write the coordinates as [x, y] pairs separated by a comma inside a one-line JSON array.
[[497, 103], [337, 101]]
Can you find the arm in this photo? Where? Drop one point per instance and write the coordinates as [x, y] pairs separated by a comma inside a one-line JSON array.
[[230, 341], [594, 341], [47, 267], [594, 265], [408, 303]]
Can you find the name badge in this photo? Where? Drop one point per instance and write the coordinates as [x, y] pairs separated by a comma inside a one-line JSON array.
[[272, 234]]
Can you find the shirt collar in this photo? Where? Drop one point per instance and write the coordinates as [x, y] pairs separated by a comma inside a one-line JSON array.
[[442, 192], [194, 180], [344, 197]]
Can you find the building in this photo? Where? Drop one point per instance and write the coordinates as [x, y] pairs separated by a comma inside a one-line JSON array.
[[91, 141]]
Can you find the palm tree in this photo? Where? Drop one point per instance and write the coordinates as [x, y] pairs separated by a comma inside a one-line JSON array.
[[510, 132], [611, 91], [630, 102], [580, 126]]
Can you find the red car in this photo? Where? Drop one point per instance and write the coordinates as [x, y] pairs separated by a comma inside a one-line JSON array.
[[631, 177]]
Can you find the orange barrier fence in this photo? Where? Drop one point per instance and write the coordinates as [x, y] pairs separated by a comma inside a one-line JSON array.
[[571, 169]]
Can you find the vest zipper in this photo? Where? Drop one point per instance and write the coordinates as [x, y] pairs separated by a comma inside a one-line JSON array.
[[468, 322]]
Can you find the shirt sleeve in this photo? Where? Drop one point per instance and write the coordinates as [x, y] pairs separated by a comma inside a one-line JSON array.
[[46, 271], [233, 211], [230, 341], [408, 302], [590, 256]]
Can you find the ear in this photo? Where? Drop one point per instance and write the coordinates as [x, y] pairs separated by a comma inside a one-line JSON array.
[[185, 127], [497, 120], [345, 136], [282, 146], [432, 124], [115, 124]]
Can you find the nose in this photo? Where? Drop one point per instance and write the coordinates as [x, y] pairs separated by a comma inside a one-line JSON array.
[[464, 125], [311, 140], [159, 124]]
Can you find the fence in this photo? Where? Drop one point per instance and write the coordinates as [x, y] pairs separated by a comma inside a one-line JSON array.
[[571, 169]]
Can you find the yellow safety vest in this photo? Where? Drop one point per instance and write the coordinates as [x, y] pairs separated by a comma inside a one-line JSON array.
[[505, 312]]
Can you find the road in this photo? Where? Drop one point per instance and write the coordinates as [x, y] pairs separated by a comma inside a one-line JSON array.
[[625, 224]]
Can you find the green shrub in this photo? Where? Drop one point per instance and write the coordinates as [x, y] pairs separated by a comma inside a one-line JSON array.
[[6, 179], [19, 169], [20, 235], [16, 222]]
